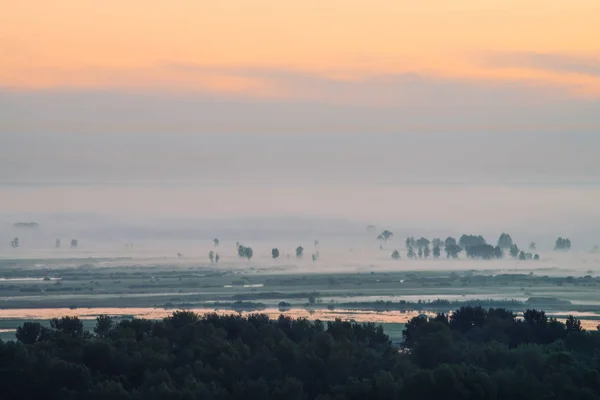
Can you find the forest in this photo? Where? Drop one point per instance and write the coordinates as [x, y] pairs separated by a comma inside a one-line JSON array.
[[474, 353]]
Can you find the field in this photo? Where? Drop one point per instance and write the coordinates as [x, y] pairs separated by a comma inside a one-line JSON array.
[[358, 284]]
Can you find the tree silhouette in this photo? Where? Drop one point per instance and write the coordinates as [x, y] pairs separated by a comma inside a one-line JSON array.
[[437, 242], [396, 255], [385, 235], [422, 243], [29, 332], [104, 324], [562, 244], [450, 241], [436, 251], [573, 324], [467, 241], [514, 251], [498, 253], [452, 250], [505, 241], [275, 253]]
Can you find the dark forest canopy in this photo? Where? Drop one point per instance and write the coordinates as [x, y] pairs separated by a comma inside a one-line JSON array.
[[475, 353]]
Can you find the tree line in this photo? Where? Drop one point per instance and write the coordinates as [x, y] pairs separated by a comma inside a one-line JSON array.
[[474, 353], [474, 246]]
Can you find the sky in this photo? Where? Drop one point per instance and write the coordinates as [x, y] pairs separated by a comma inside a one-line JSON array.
[[261, 92], [464, 59]]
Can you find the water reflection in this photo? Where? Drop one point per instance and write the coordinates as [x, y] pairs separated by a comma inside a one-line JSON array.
[[393, 317]]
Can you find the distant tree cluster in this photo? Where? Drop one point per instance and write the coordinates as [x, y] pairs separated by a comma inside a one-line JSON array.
[[14, 243], [245, 252], [505, 241], [275, 253], [214, 257], [385, 236], [475, 246], [474, 353], [562, 244]]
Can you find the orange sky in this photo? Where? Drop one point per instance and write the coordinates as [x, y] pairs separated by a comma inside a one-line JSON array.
[[217, 46]]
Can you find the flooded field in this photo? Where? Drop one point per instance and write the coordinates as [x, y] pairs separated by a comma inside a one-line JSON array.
[[360, 283]]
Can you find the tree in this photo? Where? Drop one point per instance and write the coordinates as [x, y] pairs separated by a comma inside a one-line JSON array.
[[514, 251], [562, 244], [216, 242], [536, 257], [437, 242], [505, 241], [74, 243], [410, 253], [466, 241], [420, 253], [217, 258], [535, 317], [573, 324], [68, 325], [498, 253], [522, 255], [29, 332], [481, 251], [385, 235], [468, 317], [104, 324], [15, 243], [436, 251], [241, 251], [316, 243], [299, 251], [450, 241], [57, 244], [211, 256], [396, 255], [248, 253], [410, 242], [452, 250], [275, 253], [422, 243], [426, 252], [532, 246]]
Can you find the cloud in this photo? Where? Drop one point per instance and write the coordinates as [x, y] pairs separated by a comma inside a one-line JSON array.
[[393, 104], [577, 64]]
